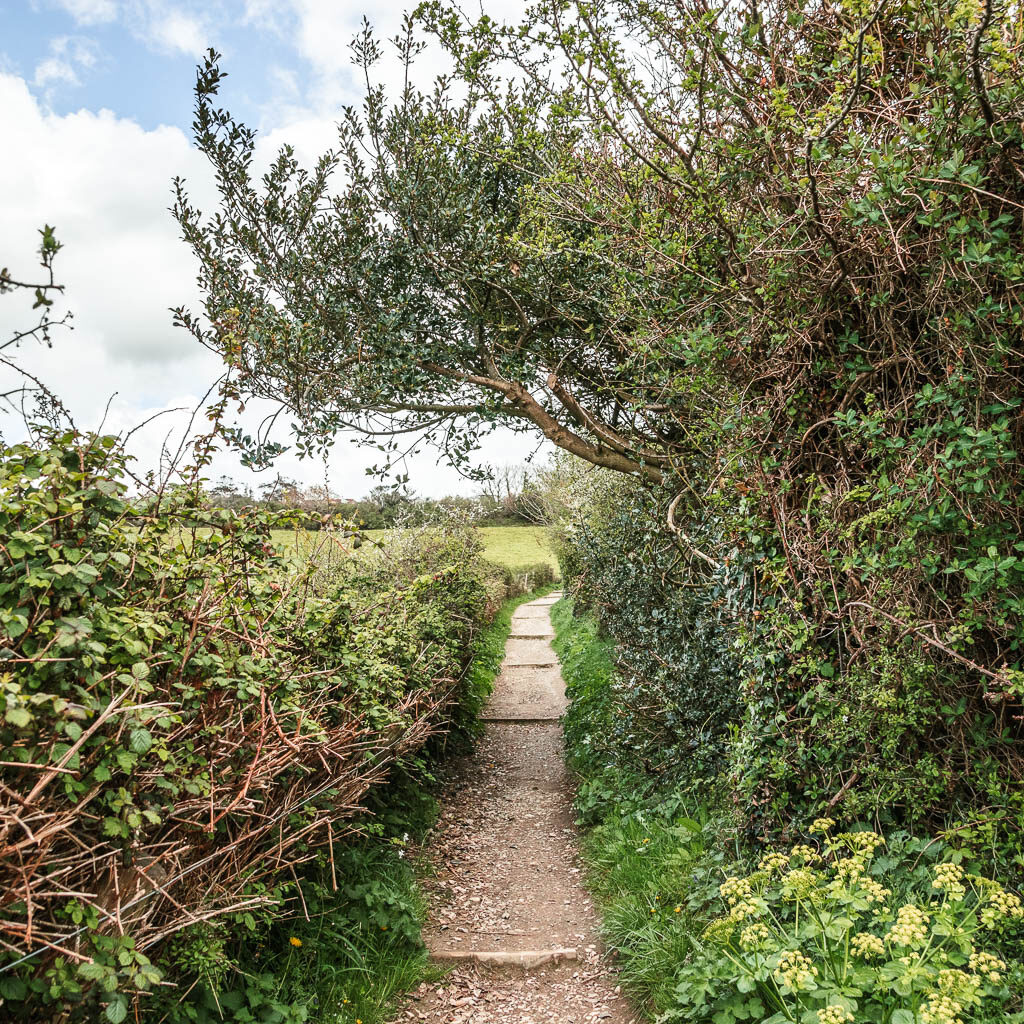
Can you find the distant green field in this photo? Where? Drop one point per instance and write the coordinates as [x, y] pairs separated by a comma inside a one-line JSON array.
[[514, 546], [517, 545]]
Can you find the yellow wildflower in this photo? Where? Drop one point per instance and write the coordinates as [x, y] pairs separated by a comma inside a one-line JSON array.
[[754, 936], [941, 1010], [808, 854], [949, 877], [734, 889], [834, 1015], [867, 945], [988, 966], [1001, 906], [798, 883], [874, 892], [773, 862], [795, 971], [910, 928]]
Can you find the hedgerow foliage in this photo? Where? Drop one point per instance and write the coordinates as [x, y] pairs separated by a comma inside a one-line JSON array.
[[675, 692], [764, 258], [187, 715], [835, 237]]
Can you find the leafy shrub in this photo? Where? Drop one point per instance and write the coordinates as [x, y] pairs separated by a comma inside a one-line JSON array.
[[502, 580], [674, 689], [188, 716], [851, 930]]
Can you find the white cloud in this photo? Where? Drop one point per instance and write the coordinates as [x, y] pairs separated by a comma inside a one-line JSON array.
[[178, 31], [68, 56], [90, 12], [271, 15], [104, 182], [324, 30]]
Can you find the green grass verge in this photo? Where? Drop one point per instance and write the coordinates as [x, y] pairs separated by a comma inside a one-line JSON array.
[[654, 859], [350, 967], [343, 953]]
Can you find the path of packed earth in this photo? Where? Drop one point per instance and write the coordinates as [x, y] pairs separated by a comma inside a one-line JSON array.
[[507, 905]]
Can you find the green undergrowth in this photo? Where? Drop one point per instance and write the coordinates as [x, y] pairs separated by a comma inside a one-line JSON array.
[[694, 950], [344, 955], [654, 856]]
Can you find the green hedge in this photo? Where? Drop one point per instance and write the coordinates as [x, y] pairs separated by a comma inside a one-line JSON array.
[[191, 721], [708, 931]]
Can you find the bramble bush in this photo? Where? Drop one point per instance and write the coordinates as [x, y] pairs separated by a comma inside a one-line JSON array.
[[189, 718]]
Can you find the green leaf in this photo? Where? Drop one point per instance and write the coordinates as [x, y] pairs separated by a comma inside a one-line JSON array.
[[18, 717], [13, 988], [140, 740], [116, 1010]]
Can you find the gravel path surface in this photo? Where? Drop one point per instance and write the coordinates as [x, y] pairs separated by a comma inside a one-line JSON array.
[[506, 875]]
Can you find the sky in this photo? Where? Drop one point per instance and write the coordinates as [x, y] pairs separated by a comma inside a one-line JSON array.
[[95, 109]]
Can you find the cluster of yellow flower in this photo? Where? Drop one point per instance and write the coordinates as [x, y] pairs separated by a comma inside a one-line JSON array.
[[941, 1010], [911, 927], [754, 936], [850, 869], [959, 985], [834, 1015], [988, 966], [950, 879], [808, 854], [863, 843], [734, 889], [774, 861], [799, 883], [847, 875], [867, 945], [874, 892], [795, 970], [744, 909], [739, 894], [1000, 907]]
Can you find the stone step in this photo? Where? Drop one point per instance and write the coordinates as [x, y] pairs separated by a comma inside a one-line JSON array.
[[513, 717], [531, 651], [504, 957], [526, 693]]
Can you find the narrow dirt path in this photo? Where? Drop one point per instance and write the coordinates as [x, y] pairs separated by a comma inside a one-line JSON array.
[[507, 906]]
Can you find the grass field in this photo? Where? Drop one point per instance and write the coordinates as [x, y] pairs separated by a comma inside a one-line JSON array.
[[514, 546]]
